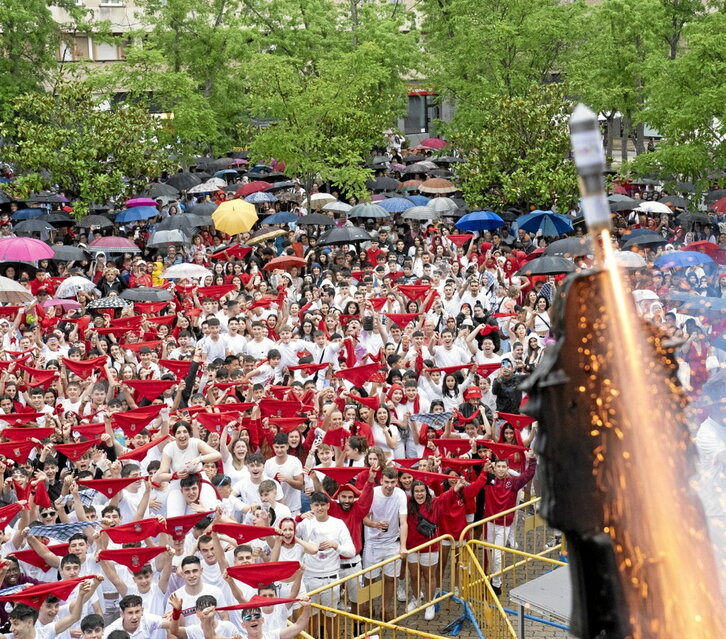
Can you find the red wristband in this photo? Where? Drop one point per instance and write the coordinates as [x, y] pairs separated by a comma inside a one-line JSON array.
[[176, 613]]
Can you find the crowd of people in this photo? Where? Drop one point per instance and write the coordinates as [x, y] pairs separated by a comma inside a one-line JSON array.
[[264, 433]]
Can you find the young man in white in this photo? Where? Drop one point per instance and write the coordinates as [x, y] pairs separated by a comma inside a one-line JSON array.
[[288, 471], [194, 587]]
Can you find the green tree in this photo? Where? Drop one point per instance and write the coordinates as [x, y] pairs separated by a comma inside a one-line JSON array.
[[91, 152], [519, 152]]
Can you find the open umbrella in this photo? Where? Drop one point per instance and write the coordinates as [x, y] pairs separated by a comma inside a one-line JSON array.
[[99, 221], [24, 249], [260, 197], [283, 217], [434, 143], [285, 262], [73, 285], [437, 185], [623, 205], [160, 190], [419, 200], [168, 238], [643, 294], [316, 219], [628, 259], [443, 205], [480, 221], [368, 211], [252, 187], [12, 292], [279, 186], [69, 254], [548, 223], [57, 219], [108, 302], [343, 235], [210, 186], [382, 184], [33, 226], [337, 207], [547, 265], [205, 208], [694, 218], [644, 241], [181, 271], [717, 194], [26, 214], [267, 233], [682, 259], [182, 222], [420, 214], [234, 216], [146, 294], [675, 200], [46, 197], [653, 207], [140, 201], [136, 214], [719, 205], [183, 181], [20, 268], [395, 205], [570, 247], [67, 305], [113, 244], [321, 199]]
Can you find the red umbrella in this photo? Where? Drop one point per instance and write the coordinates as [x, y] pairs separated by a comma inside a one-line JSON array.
[[434, 143], [708, 248], [252, 187], [24, 249], [285, 262], [719, 205]]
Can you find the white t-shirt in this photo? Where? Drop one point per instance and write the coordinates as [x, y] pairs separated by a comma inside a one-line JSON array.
[[222, 629], [291, 468], [249, 492], [189, 602], [259, 350], [325, 563], [179, 457], [147, 627], [387, 509]]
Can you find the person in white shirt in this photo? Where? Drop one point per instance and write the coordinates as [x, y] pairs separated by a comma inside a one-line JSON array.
[[194, 587], [260, 345], [134, 621], [385, 534], [288, 347], [221, 627], [448, 354], [236, 343], [288, 471], [247, 489], [214, 345]]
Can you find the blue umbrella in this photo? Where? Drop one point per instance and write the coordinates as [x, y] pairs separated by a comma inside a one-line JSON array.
[[682, 259], [548, 223], [137, 213], [223, 172], [480, 221], [285, 217], [396, 204], [27, 214], [260, 197], [640, 233], [419, 200]]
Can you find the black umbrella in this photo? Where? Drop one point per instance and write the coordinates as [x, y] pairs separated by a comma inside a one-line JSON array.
[[684, 187], [547, 265], [410, 159], [5, 198], [184, 181], [69, 254], [159, 189], [20, 267], [205, 208], [94, 220], [45, 197], [624, 205], [146, 294], [278, 186], [570, 247], [713, 196], [382, 184], [267, 176], [675, 200], [694, 218], [58, 219], [442, 173], [447, 159], [33, 226], [182, 222], [645, 240], [316, 219], [343, 235]]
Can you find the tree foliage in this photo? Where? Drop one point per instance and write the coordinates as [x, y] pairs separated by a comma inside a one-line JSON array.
[[518, 154], [90, 152]]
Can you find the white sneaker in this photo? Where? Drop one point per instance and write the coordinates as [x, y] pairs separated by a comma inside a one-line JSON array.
[[412, 605], [429, 613], [401, 592]]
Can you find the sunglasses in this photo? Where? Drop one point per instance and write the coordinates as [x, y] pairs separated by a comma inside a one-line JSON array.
[[255, 615], [48, 514]]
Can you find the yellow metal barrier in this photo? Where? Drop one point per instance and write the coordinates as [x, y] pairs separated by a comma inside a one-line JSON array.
[[366, 602]]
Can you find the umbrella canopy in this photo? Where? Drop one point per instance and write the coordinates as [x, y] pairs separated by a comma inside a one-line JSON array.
[[99, 221], [395, 205], [420, 213], [382, 184], [570, 247], [235, 216], [621, 197], [644, 294], [443, 205], [252, 187], [419, 200], [480, 221], [168, 238], [12, 292], [284, 217], [653, 207], [700, 305], [26, 214], [709, 248], [113, 244], [278, 186], [694, 218], [182, 222], [368, 210], [420, 167], [712, 196], [623, 205], [210, 186], [285, 262], [337, 207], [547, 265], [719, 205], [160, 190], [136, 214], [108, 302], [20, 268], [344, 235], [71, 286], [205, 208], [225, 172], [183, 181], [260, 197], [548, 223], [675, 200], [682, 259], [58, 219], [628, 259], [69, 254], [434, 143], [268, 233], [146, 294], [321, 199], [33, 226], [437, 185], [316, 219], [140, 201], [24, 249], [181, 271], [67, 305], [644, 240], [46, 197]]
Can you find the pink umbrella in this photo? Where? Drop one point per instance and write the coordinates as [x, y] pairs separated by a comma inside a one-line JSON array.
[[113, 244], [140, 201], [68, 305], [434, 143], [24, 249], [238, 161], [378, 198]]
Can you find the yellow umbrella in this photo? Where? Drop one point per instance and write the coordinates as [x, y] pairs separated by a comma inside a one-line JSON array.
[[234, 216]]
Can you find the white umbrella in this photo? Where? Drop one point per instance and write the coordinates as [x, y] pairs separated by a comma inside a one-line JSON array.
[[443, 205], [209, 186], [654, 207], [168, 238], [644, 294], [321, 198], [336, 206], [73, 285], [628, 259], [420, 213], [12, 292], [180, 271]]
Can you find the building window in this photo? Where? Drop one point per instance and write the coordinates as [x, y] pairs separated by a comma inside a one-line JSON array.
[[74, 49], [423, 111], [105, 51]]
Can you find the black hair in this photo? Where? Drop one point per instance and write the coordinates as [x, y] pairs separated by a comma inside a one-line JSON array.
[[280, 438], [191, 559], [319, 498], [23, 612], [91, 622]]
